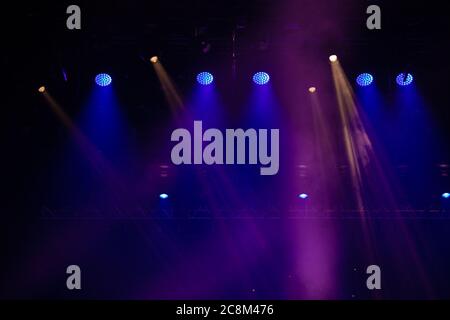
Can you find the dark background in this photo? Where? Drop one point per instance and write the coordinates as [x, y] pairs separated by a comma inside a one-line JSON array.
[[177, 250]]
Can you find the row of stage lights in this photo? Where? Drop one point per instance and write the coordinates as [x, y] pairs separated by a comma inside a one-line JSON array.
[[203, 78], [366, 79], [303, 196], [262, 78]]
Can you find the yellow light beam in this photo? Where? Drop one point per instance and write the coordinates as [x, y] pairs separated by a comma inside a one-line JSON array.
[[170, 91]]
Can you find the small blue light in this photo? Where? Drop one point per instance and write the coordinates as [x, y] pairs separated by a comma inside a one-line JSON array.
[[103, 79], [163, 195], [205, 78], [303, 196], [404, 79], [446, 195], [261, 78], [364, 79]]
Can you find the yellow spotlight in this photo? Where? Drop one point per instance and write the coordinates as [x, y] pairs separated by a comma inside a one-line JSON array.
[[333, 58], [154, 59], [312, 89], [41, 89]]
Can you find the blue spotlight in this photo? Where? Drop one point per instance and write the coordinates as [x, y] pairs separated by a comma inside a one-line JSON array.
[[261, 78], [163, 195], [303, 196], [103, 79], [404, 79], [364, 79], [205, 78], [446, 195]]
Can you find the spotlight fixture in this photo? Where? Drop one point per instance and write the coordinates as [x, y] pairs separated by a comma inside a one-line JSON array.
[[205, 78], [163, 196], [446, 195], [312, 89], [333, 58], [103, 79], [41, 89], [404, 79], [303, 196], [364, 79], [154, 59], [261, 78]]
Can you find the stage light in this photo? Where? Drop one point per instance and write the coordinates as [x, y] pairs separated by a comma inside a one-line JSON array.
[[364, 79], [41, 89], [154, 59], [303, 196], [103, 79], [163, 195], [261, 78], [404, 79], [312, 89], [205, 78], [333, 58], [446, 195]]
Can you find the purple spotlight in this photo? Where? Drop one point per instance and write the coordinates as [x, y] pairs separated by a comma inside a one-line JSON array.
[[164, 196], [205, 78], [364, 79], [404, 79], [103, 79], [261, 78], [303, 196]]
